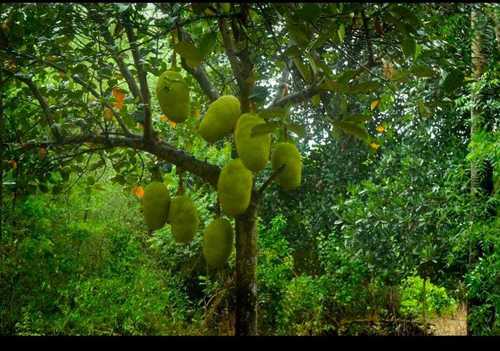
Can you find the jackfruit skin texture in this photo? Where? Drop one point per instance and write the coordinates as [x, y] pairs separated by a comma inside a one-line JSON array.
[[183, 217], [220, 118], [290, 177], [172, 92], [155, 204], [253, 151], [218, 242], [234, 188]]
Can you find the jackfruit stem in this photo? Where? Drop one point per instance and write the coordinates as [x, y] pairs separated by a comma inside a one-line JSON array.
[[217, 207], [285, 134], [180, 189], [174, 55]]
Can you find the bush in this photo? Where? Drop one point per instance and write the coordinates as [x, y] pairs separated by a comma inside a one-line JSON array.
[[436, 299]]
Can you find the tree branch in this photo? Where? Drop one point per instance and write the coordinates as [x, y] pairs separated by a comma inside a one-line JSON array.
[[299, 96], [270, 179], [371, 61], [134, 89], [86, 86], [49, 116], [199, 73], [162, 150], [148, 125], [230, 50]]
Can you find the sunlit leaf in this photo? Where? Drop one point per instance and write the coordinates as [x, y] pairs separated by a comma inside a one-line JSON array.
[[341, 32], [375, 104], [374, 146], [316, 99]]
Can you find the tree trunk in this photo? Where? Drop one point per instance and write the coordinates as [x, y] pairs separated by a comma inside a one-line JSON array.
[[2, 130], [246, 263], [481, 182]]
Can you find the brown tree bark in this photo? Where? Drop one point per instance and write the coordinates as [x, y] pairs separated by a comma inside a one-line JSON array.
[[246, 264]]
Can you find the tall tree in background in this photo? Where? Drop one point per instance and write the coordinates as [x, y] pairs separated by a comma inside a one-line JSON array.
[[482, 185]]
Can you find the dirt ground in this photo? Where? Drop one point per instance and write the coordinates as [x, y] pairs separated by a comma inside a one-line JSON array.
[[455, 325]]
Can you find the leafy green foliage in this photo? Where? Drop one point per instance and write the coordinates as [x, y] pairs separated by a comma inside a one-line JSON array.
[[435, 299]]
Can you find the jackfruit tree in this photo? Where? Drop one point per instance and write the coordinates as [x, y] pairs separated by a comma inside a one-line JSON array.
[[253, 72]]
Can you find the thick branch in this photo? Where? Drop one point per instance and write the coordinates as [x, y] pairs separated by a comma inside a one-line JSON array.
[[164, 151], [230, 50], [298, 97], [139, 63]]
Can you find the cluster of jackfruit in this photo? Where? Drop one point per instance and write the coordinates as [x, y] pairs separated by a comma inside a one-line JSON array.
[[235, 182], [180, 212]]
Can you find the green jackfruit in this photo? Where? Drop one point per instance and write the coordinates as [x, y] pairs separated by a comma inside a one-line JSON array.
[[218, 242], [287, 154], [220, 118], [173, 95], [253, 150], [183, 217], [155, 203], [234, 188]]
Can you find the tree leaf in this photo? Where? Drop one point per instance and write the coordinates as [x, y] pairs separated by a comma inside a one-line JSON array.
[[335, 86], [409, 46], [407, 15], [452, 81], [365, 87], [309, 11], [303, 69], [189, 52], [297, 129], [358, 118], [259, 94], [297, 32], [422, 71], [265, 128], [375, 104], [353, 129], [279, 112], [316, 99], [207, 44], [423, 109], [341, 32]]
